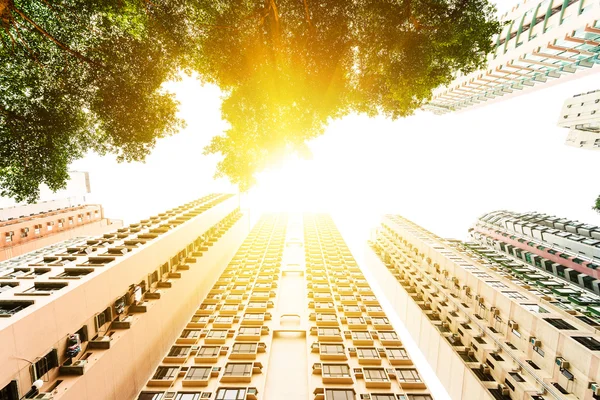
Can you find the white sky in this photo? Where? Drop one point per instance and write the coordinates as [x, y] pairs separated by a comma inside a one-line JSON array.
[[442, 172]]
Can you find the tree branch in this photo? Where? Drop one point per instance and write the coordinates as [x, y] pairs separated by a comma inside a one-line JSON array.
[[60, 44]]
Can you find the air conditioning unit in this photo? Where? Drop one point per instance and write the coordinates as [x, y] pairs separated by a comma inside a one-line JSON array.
[[169, 396], [365, 397], [535, 342], [485, 369], [595, 388], [513, 325], [503, 389], [206, 395], [562, 363], [496, 312]]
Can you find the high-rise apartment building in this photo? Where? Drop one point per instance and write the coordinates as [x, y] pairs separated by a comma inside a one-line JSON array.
[[56, 217], [543, 40], [569, 250], [91, 318], [491, 326], [581, 114], [291, 317], [165, 309]]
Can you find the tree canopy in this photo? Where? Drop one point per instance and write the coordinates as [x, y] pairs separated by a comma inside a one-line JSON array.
[[80, 75]]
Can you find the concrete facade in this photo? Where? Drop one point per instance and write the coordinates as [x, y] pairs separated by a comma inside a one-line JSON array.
[[487, 329], [291, 317], [542, 41], [581, 114], [126, 294]]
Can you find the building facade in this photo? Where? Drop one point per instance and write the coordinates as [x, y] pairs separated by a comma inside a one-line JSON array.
[[291, 317], [581, 114], [491, 327], [56, 217], [90, 318], [569, 250], [542, 41]]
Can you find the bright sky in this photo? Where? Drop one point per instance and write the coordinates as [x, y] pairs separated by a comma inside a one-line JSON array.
[[442, 172]]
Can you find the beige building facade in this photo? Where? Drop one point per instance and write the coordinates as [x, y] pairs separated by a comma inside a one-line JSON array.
[[291, 317], [489, 325], [90, 318]]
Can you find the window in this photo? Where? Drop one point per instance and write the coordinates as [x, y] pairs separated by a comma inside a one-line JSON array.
[[367, 352], [198, 374], [559, 323], [396, 354], [249, 331], [588, 342], [197, 319], [331, 349], [355, 321], [6, 286], [224, 320], [329, 332], [375, 375], [209, 351], [379, 321], [74, 273], [45, 364], [515, 295], [231, 394], [419, 397], [336, 371], [408, 375], [361, 335], [497, 284], [388, 335], [238, 369], [150, 396], [326, 317], [339, 394], [190, 334], [534, 308], [179, 351], [188, 396], [383, 397], [244, 348], [44, 288], [216, 334], [165, 373]]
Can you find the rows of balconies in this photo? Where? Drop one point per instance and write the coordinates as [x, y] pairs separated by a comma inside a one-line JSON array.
[[470, 305], [350, 325], [229, 330]]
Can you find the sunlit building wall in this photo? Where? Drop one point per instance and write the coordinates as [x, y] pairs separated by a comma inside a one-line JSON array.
[[567, 249], [490, 326], [581, 114], [291, 317], [542, 41], [55, 217], [89, 318]]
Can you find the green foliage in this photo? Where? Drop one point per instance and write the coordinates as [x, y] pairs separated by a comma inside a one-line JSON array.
[[82, 75], [596, 206], [290, 66]]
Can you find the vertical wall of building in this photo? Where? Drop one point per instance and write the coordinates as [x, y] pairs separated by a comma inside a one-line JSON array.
[[291, 317], [126, 294], [517, 337], [542, 41]]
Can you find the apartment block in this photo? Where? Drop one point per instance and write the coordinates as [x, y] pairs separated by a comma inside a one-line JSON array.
[[89, 318], [581, 114], [56, 217], [491, 326], [569, 250], [542, 41], [290, 317]]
